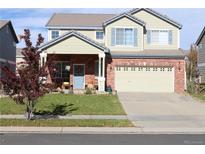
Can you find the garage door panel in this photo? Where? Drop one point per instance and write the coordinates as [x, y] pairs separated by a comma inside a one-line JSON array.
[[145, 80]]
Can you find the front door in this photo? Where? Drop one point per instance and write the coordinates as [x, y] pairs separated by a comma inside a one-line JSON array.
[[79, 76]]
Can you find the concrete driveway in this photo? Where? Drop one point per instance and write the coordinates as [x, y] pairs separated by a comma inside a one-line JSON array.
[[163, 110]]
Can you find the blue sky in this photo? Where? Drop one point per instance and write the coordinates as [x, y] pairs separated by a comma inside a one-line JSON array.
[[35, 19]]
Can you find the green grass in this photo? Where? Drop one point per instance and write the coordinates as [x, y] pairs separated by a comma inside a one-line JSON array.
[[66, 123], [199, 96], [84, 104]]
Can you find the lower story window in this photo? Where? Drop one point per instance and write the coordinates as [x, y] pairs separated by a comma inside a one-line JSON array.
[[118, 68], [62, 71], [140, 68], [169, 69], [132, 68], [147, 68], [125, 68]]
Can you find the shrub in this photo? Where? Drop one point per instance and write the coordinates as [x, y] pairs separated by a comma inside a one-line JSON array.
[[88, 91], [191, 87], [194, 88]]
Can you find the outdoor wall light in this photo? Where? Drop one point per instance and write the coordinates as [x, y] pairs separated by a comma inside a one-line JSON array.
[[179, 68], [110, 67], [67, 68]]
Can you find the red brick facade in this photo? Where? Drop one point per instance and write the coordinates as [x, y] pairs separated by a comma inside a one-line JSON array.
[[178, 64], [89, 61]]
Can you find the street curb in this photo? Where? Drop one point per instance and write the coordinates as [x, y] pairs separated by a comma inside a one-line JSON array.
[[69, 117], [100, 130]]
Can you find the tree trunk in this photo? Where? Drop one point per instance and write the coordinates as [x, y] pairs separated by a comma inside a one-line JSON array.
[[29, 110]]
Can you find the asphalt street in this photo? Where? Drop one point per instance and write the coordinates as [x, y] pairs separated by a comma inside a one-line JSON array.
[[102, 139]]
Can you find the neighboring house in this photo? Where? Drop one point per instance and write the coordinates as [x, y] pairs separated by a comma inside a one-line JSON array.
[[201, 56], [8, 40], [19, 57], [136, 51]]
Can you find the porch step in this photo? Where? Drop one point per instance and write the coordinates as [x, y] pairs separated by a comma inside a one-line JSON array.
[[75, 91]]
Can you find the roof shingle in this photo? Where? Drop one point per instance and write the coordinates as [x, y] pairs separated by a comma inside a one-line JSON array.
[[78, 20], [150, 54]]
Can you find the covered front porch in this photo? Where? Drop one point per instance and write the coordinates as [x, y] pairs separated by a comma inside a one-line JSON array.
[[79, 61], [78, 71]]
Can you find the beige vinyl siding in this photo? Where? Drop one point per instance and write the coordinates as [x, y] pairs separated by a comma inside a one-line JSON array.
[[124, 23], [153, 22], [73, 45], [89, 33]]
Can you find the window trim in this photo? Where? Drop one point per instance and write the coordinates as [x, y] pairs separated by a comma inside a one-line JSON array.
[[162, 44], [96, 35], [129, 46], [59, 61]]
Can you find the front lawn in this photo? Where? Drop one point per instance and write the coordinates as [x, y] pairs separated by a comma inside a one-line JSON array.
[[79, 104], [66, 123], [199, 96]]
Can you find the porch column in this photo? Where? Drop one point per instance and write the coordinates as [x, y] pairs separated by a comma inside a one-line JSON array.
[[101, 77], [43, 58], [103, 66]]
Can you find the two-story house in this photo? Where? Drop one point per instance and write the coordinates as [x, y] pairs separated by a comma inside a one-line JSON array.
[[8, 40], [136, 51]]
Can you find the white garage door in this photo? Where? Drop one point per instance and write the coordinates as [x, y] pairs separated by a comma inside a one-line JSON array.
[[144, 79]]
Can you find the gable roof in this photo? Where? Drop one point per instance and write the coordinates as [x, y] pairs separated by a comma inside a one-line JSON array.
[[3, 23], [71, 20], [200, 36], [96, 21], [159, 15], [117, 17], [78, 35]]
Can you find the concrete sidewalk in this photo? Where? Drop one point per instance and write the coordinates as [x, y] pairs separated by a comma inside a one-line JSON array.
[[101, 130], [113, 117]]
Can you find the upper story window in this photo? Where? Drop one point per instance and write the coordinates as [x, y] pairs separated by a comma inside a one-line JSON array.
[[54, 34], [99, 35], [124, 36], [159, 37]]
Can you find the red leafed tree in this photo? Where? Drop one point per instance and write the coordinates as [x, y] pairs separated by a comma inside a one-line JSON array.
[[27, 85]]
